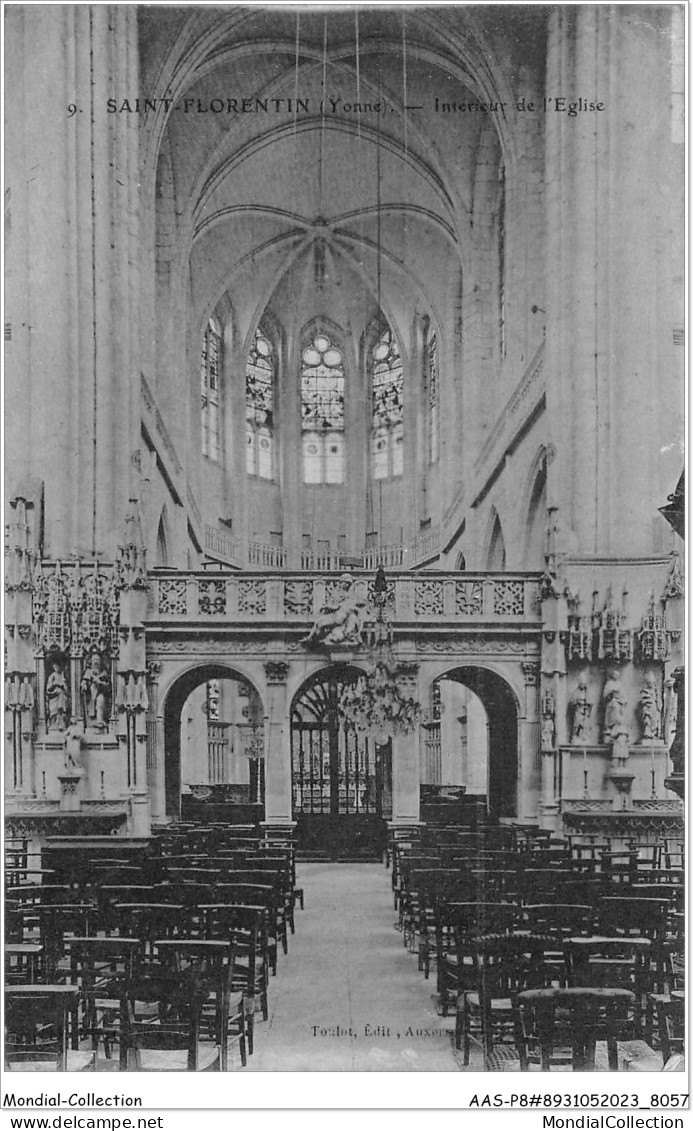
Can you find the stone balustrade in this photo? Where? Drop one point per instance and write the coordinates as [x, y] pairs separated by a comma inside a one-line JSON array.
[[426, 598]]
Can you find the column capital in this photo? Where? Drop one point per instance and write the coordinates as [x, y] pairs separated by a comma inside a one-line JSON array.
[[277, 672]]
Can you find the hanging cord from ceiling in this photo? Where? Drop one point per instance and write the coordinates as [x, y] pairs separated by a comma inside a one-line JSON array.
[[405, 101]]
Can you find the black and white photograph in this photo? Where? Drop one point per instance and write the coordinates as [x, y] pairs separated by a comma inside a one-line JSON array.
[[344, 553]]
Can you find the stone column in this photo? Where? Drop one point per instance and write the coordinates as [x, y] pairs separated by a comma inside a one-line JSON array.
[[278, 810], [155, 744], [405, 778], [73, 366], [291, 451], [528, 747], [21, 689], [609, 296], [553, 692], [131, 700]]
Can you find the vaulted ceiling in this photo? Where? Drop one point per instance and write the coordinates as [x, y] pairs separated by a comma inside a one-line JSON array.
[[353, 165]]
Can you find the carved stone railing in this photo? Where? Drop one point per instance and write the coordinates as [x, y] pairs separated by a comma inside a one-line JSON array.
[[267, 599], [267, 557], [424, 546], [223, 546]]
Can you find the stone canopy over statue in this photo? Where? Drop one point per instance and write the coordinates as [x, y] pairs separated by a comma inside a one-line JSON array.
[[340, 623]]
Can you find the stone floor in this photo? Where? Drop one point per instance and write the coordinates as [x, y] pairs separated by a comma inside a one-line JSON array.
[[348, 997]]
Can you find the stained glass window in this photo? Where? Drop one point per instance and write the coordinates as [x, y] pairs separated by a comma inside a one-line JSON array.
[[432, 389], [259, 407], [210, 380], [386, 429], [322, 411]]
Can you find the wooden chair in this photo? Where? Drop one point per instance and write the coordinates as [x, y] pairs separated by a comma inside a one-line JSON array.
[[554, 1027], [246, 927], [502, 967], [160, 1026], [616, 963], [103, 968], [210, 965], [671, 1025], [37, 1030]]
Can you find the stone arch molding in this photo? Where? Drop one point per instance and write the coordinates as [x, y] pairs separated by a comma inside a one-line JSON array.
[[508, 670]]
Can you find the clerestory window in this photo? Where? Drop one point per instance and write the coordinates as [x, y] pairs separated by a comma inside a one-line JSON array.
[[259, 407], [210, 374], [387, 436], [322, 411], [431, 385]]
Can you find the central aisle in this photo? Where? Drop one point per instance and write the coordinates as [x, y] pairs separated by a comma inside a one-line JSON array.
[[348, 996]]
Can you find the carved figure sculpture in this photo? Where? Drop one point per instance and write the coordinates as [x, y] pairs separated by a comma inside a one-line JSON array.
[[650, 712], [95, 687], [548, 724], [579, 712], [56, 699], [73, 746], [670, 710], [341, 623], [615, 730]]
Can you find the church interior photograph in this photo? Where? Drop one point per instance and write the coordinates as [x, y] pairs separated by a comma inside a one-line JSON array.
[[344, 537]]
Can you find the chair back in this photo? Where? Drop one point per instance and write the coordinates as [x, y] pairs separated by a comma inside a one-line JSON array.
[[36, 1031], [559, 1026]]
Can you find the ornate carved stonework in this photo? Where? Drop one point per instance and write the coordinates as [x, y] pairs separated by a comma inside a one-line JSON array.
[[579, 641], [28, 825], [477, 647], [211, 597], [509, 598], [277, 671], [298, 598], [428, 598], [173, 596], [614, 638], [131, 564], [674, 588], [252, 597], [469, 598], [194, 647], [531, 674], [655, 636]]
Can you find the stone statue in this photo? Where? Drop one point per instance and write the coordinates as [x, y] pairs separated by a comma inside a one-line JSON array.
[[73, 746], [548, 723], [56, 698], [670, 710], [95, 687], [579, 712], [615, 730], [341, 623], [650, 712]]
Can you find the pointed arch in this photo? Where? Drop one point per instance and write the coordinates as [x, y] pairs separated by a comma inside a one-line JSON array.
[[163, 540], [495, 554], [536, 523]]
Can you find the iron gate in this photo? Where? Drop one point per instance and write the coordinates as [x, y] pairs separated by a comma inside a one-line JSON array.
[[334, 768]]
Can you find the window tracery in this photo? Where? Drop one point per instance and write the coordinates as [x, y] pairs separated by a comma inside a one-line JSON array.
[[387, 428], [210, 372], [259, 407], [432, 391], [322, 411]]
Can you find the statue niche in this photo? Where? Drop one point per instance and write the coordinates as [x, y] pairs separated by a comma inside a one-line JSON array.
[[95, 687], [615, 731], [57, 694], [650, 710]]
